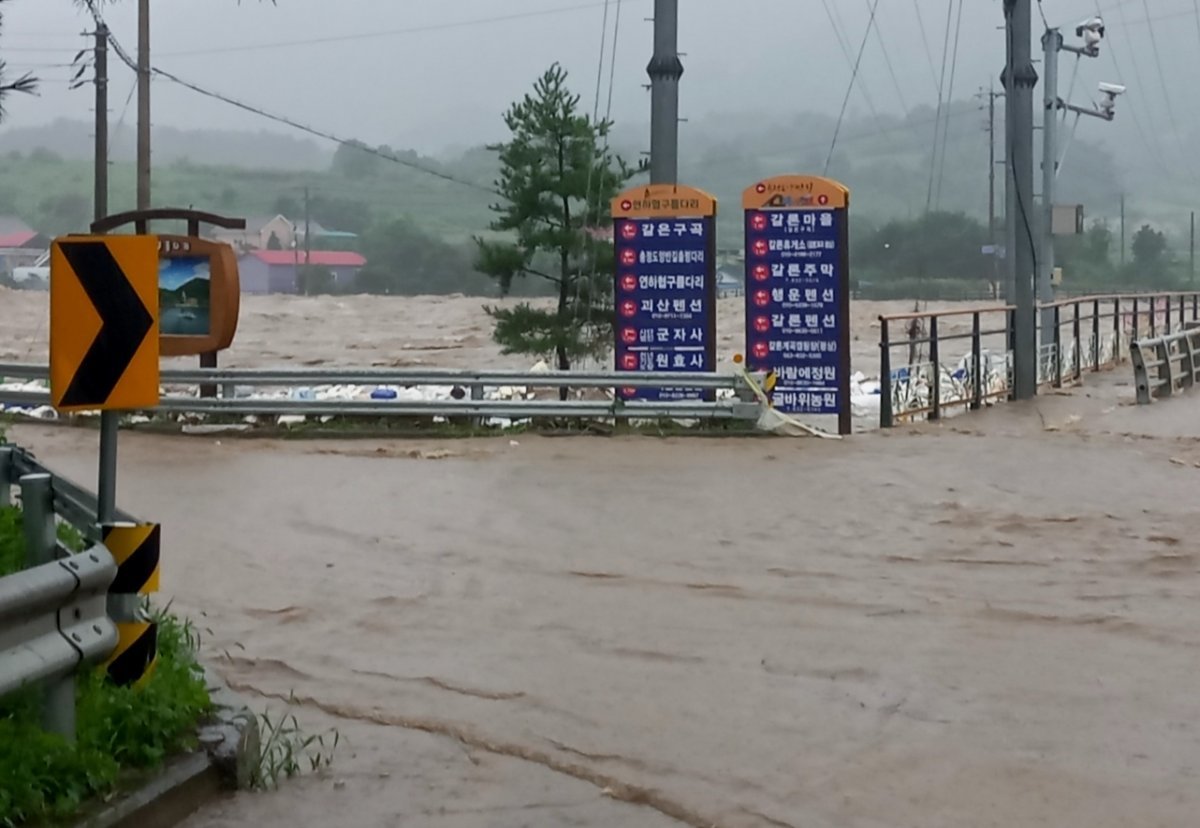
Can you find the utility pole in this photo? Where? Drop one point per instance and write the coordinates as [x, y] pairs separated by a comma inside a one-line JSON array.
[[1192, 255], [307, 234], [1052, 42], [143, 89], [665, 70], [1019, 79], [100, 208], [991, 130], [1122, 229]]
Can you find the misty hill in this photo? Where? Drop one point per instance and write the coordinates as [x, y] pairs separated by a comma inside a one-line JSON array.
[[73, 140], [888, 162]]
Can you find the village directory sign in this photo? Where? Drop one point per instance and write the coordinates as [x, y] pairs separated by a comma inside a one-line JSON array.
[[798, 293], [665, 296]]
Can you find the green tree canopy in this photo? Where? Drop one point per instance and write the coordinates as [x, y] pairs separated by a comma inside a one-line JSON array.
[[557, 179]]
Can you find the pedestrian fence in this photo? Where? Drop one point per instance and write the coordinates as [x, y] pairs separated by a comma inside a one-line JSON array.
[[54, 614], [1077, 336], [1166, 365]]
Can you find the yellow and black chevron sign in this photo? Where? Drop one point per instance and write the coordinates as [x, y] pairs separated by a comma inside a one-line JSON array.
[[135, 548], [132, 663]]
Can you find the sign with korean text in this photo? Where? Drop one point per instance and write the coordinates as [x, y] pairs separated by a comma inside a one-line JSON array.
[[665, 295], [797, 293], [104, 323]]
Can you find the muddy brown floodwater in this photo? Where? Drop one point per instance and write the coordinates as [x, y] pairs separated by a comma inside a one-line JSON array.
[[989, 622], [415, 332]]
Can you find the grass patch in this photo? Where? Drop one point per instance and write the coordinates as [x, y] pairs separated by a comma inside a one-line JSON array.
[[44, 779]]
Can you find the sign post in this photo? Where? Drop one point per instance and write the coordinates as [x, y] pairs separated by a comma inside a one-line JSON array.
[[104, 336], [665, 294], [798, 293]]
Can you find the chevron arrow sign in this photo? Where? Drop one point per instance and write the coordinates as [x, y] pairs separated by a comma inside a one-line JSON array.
[[104, 323]]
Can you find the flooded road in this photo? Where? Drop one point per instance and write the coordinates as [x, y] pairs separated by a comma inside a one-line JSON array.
[[989, 622]]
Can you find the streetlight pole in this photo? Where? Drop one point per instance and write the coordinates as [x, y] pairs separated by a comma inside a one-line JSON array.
[[665, 70], [143, 91], [1052, 42], [1019, 79]]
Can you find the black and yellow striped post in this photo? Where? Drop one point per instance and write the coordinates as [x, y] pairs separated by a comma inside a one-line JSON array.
[[135, 548], [769, 383]]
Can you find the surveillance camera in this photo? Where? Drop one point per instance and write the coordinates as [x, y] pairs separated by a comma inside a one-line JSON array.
[[1110, 92], [1094, 25]]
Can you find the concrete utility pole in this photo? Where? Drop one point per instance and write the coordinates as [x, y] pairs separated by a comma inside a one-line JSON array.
[[1019, 79], [100, 208], [143, 88], [1052, 42], [1122, 229], [665, 70], [307, 231], [991, 129]]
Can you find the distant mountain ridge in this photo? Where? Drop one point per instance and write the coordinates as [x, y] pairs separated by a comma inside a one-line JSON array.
[[263, 149]]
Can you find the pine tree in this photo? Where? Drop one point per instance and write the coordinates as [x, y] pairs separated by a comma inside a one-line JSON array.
[[557, 180]]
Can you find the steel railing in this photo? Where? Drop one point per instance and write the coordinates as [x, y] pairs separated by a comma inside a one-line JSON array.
[[1166, 365], [185, 392], [54, 614], [1086, 334]]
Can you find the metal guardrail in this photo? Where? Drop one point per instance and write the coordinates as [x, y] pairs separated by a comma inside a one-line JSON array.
[[472, 384], [1166, 365], [1088, 333], [54, 616]]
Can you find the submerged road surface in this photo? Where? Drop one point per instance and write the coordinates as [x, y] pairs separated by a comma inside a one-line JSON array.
[[990, 622]]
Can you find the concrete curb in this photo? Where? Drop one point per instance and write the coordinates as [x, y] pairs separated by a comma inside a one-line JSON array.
[[229, 752], [183, 786], [231, 737]]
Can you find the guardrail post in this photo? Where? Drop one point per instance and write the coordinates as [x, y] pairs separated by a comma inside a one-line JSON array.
[[1153, 317], [1008, 366], [1165, 369], [1141, 379], [1188, 373], [936, 359], [1134, 333], [6, 470], [1117, 332], [477, 396], [37, 519], [1058, 362], [885, 376], [1076, 332], [1096, 335], [976, 363], [1182, 311], [1195, 307]]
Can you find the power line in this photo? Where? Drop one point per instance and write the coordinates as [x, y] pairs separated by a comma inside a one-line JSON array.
[[888, 62], [835, 22], [346, 142], [925, 42], [937, 127], [850, 87], [1162, 79], [434, 27], [949, 101]]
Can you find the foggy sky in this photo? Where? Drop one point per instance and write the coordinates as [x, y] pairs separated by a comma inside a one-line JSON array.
[[447, 87]]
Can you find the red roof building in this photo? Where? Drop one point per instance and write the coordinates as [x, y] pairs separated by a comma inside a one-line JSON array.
[[278, 271]]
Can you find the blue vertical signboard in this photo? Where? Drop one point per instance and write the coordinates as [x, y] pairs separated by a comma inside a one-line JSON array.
[[798, 293], [665, 288]]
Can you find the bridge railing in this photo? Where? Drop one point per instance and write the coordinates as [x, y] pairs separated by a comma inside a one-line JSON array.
[[962, 358], [1166, 365]]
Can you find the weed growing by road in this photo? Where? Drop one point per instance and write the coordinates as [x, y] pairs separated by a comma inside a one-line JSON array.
[[288, 751], [119, 729]]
